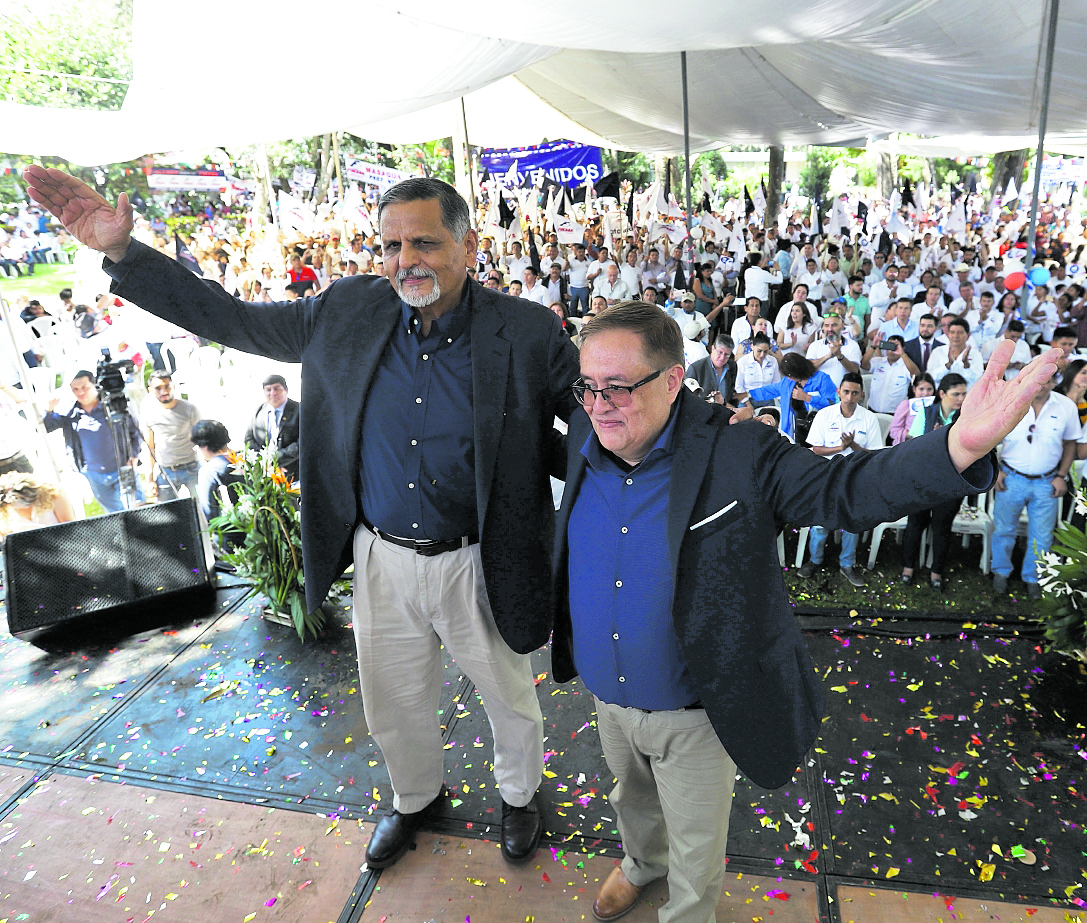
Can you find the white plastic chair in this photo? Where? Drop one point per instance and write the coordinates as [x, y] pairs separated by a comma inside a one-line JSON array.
[[974, 521]]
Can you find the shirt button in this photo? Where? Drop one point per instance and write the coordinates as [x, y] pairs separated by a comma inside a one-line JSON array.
[[415, 442], [449, 340], [623, 530], [618, 583], [622, 679], [415, 525], [411, 485], [630, 480], [425, 356], [615, 637], [418, 400]]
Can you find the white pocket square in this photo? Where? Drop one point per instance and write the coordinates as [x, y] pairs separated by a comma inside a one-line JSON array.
[[721, 512]]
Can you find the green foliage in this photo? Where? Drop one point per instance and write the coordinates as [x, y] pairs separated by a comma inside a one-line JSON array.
[[1064, 590], [270, 553], [636, 167], [815, 176], [53, 48]]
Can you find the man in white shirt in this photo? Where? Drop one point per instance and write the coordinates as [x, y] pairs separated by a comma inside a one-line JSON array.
[[907, 288], [985, 322], [957, 355], [552, 256], [743, 328], [902, 322], [882, 294], [1020, 358], [611, 287], [757, 281], [1035, 459], [965, 303], [988, 281], [533, 289], [579, 281], [833, 354], [630, 273], [842, 429], [515, 263], [953, 284], [597, 266], [892, 372], [654, 271], [813, 277]]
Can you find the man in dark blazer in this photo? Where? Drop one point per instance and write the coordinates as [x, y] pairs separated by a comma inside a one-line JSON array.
[[280, 413], [930, 338], [426, 424], [682, 511], [716, 373]]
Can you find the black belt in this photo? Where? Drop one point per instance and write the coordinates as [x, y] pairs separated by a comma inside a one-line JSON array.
[[693, 707], [1032, 477], [427, 548]]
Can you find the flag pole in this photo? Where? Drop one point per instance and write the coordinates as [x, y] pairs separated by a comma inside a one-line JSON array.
[[687, 152]]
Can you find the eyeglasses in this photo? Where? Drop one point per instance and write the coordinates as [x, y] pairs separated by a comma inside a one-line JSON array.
[[616, 395]]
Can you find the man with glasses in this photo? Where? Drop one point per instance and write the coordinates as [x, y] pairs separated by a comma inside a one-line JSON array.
[[425, 458], [833, 354], [694, 657]]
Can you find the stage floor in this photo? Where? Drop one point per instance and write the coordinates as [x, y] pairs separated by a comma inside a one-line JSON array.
[[214, 767]]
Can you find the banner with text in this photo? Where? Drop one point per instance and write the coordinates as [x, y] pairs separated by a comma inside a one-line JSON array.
[[370, 173], [562, 161]]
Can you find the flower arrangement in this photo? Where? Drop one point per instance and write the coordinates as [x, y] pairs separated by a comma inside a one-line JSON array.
[[261, 536], [1063, 579]]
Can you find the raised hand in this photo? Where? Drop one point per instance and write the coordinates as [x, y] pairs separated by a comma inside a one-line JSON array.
[[994, 406], [86, 215]]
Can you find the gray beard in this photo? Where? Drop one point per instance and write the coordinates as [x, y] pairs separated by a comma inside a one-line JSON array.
[[420, 301]]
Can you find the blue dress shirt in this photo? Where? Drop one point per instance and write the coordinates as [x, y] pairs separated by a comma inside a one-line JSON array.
[[417, 453], [621, 586]]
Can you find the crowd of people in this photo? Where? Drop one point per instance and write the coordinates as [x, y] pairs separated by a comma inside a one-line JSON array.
[[820, 332]]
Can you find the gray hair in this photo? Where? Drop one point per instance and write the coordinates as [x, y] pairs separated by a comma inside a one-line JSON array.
[[455, 216]]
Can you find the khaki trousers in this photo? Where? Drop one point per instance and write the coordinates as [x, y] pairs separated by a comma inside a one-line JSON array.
[[405, 606], [672, 803]]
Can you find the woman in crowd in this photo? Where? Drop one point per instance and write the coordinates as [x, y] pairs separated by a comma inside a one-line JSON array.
[[559, 310], [942, 412], [1074, 386], [29, 503], [923, 386], [798, 330], [705, 298]]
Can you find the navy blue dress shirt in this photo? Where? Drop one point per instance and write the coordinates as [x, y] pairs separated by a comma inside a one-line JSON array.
[[621, 587], [417, 453]]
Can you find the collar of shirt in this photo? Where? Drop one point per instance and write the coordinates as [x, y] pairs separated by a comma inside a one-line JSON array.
[[450, 325], [664, 448]]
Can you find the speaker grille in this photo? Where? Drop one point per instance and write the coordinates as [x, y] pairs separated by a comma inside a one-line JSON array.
[[73, 569]]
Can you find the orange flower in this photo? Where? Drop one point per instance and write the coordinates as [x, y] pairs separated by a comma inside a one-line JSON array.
[[279, 477], [233, 457]]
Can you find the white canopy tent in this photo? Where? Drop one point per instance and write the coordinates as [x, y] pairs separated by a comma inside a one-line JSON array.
[[827, 72]]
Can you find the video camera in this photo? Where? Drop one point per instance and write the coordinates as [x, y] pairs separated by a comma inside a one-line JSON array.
[[110, 380]]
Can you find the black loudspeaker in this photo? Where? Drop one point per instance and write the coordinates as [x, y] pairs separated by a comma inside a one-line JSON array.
[[141, 561]]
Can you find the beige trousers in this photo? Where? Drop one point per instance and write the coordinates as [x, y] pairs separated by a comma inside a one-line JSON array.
[[672, 803], [405, 606]]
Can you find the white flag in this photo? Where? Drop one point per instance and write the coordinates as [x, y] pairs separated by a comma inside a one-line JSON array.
[[1012, 193], [569, 231]]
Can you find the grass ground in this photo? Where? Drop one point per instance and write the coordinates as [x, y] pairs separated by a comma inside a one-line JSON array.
[[47, 281], [967, 591]]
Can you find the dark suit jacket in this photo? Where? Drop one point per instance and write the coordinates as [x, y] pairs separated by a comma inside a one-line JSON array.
[[256, 436], [702, 371], [912, 348], [522, 366], [732, 488]]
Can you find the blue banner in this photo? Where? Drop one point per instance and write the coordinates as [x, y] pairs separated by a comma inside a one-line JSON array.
[[564, 162]]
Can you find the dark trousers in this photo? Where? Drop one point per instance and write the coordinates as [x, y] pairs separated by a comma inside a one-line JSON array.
[[17, 463], [941, 516]]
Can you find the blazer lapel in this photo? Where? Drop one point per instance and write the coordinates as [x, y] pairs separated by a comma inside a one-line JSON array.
[[694, 445], [383, 321], [490, 372]]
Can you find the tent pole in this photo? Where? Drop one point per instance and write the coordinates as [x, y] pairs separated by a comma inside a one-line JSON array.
[[1047, 74], [686, 139], [471, 178]]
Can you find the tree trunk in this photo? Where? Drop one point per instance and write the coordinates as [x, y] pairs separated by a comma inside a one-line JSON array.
[[1007, 165], [885, 176], [774, 184], [324, 176]]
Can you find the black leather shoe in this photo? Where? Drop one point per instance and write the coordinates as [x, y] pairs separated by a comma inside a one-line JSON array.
[[521, 829], [395, 835]]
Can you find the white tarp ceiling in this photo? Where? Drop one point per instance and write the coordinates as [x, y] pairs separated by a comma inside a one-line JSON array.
[[770, 72]]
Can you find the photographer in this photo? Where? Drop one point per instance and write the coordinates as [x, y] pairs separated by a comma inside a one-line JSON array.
[[892, 371], [89, 437]]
